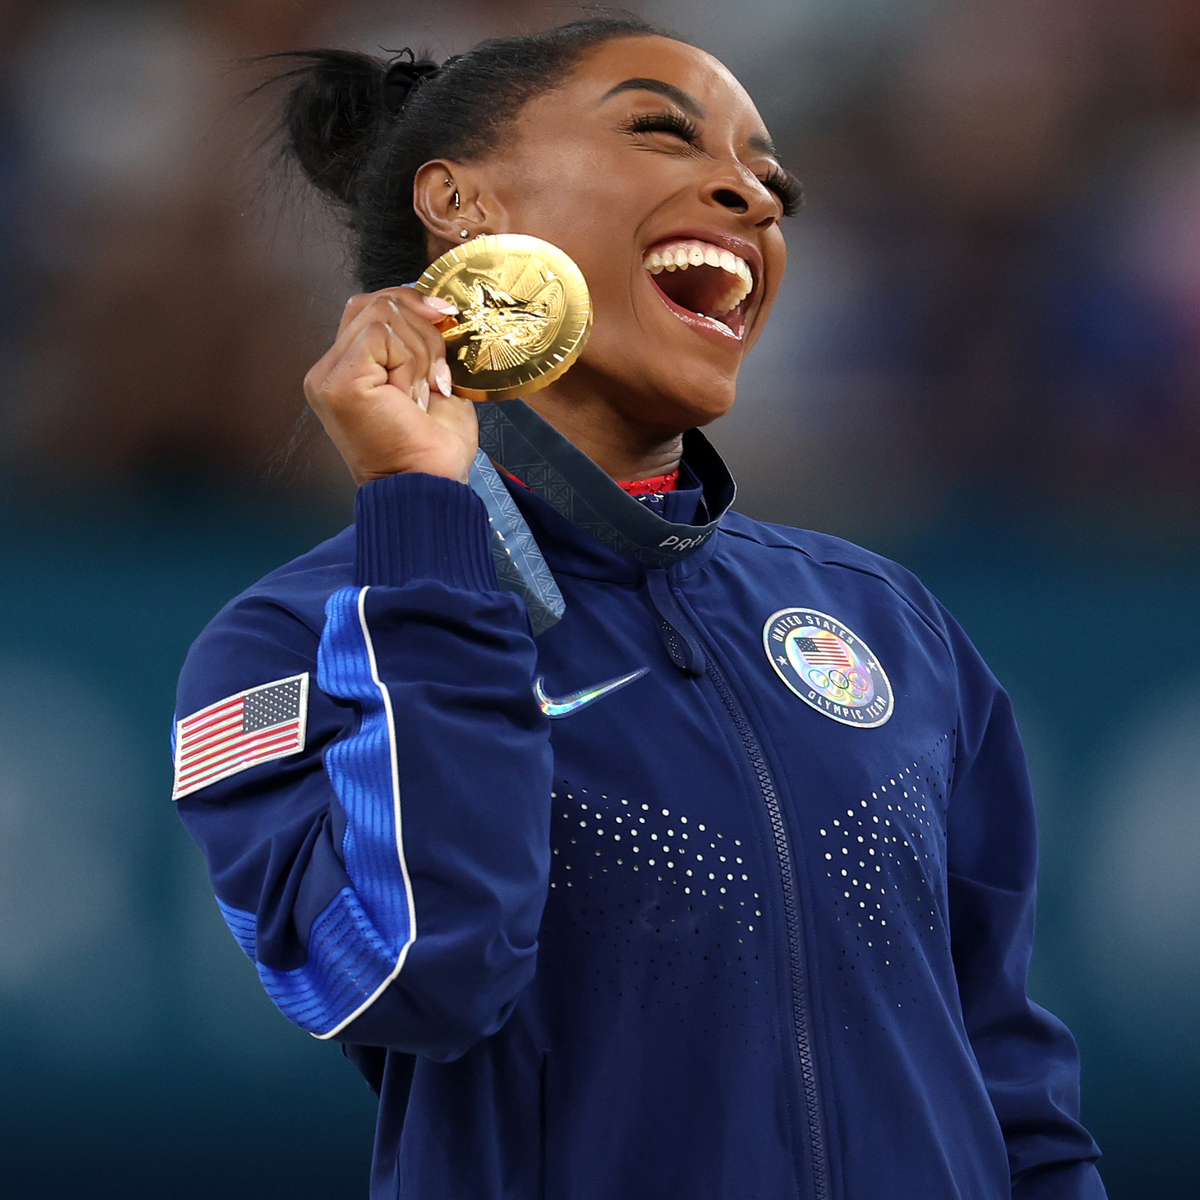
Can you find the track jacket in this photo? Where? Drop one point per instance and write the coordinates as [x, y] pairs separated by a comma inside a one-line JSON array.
[[720, 888]]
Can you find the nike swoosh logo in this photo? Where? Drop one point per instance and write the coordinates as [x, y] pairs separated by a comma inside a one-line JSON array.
[[566, 705]]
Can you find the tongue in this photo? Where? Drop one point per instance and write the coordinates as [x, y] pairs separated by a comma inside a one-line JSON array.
[[699, 289]]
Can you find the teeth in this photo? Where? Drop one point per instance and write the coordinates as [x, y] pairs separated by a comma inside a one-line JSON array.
[[730, 301], [681, 255]]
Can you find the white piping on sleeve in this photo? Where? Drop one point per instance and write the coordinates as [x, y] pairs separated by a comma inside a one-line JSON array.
[[408, 892]]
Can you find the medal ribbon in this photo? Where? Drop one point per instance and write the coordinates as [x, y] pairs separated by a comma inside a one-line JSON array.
[[513, 435], [520, 566], [536, 454]]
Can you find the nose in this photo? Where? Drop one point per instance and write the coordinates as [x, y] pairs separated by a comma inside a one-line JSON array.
[[739, 191]]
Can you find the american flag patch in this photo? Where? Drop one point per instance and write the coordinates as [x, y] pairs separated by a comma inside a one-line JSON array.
[[824, 650], [255, 726]]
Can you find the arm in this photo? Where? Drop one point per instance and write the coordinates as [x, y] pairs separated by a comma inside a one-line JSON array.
[[388, 879], [1028, 1058]]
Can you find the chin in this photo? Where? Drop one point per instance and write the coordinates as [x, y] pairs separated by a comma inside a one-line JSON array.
[[703, 394], [694, 400], [711, 409]]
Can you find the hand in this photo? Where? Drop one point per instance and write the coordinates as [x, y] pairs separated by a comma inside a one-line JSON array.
[[383, 390]]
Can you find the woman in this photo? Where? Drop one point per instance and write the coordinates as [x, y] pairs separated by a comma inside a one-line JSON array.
[[719, 886]]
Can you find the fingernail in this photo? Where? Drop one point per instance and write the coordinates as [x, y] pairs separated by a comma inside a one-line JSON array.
[[423, 398], [441, 373], [443, 306]]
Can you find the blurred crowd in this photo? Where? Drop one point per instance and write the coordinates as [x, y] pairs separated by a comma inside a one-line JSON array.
[[994, 291]]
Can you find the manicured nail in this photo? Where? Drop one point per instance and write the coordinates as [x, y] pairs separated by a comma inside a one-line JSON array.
[[441, 374], [442, 306], [423, 398]]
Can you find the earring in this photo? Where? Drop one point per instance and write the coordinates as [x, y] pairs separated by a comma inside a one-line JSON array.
[[450, 183], [462, 233]]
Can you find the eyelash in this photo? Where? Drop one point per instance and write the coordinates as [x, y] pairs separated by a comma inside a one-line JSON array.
[[787, 187], [665, 122], [779, 181]]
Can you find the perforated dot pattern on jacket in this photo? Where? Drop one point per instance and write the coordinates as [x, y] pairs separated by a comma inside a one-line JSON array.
[[884, 859], [665, 910]]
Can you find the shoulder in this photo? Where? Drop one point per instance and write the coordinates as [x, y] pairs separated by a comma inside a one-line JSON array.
[[299, 588], [826, 552], [272, 629], [303, 585], [874, 585]]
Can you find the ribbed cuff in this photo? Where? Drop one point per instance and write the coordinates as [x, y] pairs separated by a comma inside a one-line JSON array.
[[415, 526]]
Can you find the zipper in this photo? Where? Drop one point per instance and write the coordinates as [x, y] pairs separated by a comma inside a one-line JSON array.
[[808, 1072], [660, 591]]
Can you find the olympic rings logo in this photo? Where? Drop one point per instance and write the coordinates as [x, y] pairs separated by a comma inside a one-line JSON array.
[[828, 666], [839, 685]]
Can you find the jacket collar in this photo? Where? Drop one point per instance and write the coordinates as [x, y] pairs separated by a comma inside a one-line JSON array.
[[513, 435]]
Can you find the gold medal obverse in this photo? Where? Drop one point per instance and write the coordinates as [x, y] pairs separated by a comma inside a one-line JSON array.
[[524, 314]]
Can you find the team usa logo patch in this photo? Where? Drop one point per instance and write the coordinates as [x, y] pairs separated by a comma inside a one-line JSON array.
[[239, 732], [830, 668]]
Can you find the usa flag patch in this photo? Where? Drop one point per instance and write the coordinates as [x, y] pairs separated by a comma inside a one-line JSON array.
[[239, 732]]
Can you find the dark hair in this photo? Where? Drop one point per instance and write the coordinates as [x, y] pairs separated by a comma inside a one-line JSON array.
[[360, 127]]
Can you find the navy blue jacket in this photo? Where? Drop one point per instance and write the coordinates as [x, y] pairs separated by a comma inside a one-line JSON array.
[[721, 888]]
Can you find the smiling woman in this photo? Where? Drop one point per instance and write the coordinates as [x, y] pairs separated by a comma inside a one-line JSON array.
[[638, 155], [631, 848]]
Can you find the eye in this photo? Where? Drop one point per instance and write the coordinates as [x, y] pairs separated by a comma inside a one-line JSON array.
[[787, 187], [665, 122]]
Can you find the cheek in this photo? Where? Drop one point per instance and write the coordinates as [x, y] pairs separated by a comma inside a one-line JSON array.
[[601, 244], [567, 195], [617, 344]]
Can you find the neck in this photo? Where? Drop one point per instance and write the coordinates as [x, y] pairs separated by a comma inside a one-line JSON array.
[[621, 448]]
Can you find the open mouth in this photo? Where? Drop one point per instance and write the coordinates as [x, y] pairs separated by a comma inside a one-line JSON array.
[[702, 281]]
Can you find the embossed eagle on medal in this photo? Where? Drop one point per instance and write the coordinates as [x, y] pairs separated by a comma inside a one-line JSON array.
[[524, 314]]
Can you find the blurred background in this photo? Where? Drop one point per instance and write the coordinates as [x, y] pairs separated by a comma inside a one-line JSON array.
[[985, 363]]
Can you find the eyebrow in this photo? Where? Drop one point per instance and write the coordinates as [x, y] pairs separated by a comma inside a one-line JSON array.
[[689, 104]]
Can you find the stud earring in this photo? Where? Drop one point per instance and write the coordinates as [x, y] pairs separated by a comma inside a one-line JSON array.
[[462, 233]]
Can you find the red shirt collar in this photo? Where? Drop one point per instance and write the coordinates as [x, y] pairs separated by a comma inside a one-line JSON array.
[[634, 487]]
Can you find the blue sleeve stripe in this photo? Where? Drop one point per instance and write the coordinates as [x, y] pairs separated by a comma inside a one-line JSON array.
[[243, 926], [345, 953], [358, 944], [366, 778]]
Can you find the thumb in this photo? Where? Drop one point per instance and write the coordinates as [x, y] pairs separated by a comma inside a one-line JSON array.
[[457, 416]]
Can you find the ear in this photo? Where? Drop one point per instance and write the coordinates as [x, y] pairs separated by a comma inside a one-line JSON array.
[[447, 198]]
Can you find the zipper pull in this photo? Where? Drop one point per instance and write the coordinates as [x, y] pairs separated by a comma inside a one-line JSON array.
[[672, 625]]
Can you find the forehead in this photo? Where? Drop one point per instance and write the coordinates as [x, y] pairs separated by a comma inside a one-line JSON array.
[[691, 70]]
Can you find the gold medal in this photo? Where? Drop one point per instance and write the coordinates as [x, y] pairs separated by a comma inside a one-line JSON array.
[[524, 314]]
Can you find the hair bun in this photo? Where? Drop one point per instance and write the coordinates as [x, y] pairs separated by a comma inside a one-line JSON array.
[[401, 77]]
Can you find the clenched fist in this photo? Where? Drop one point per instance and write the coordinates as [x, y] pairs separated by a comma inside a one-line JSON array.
[[383, 390]]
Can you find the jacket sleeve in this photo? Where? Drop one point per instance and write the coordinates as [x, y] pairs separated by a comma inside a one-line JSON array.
[[388, 878], [1028, 1058]]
